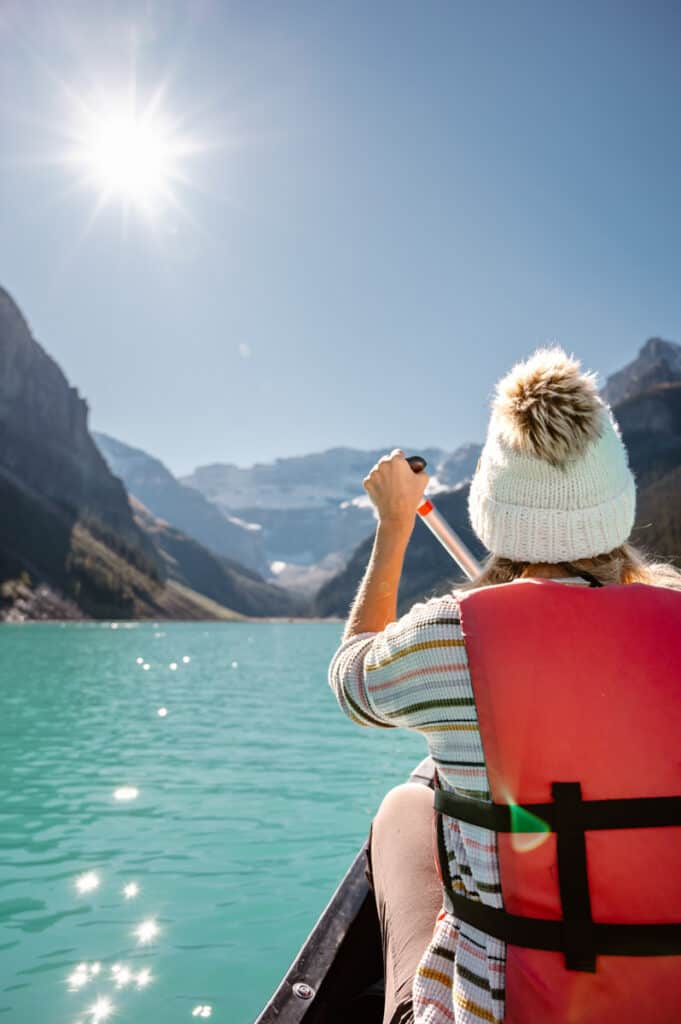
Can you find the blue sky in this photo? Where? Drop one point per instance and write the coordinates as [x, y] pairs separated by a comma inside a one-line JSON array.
[[389, 205]]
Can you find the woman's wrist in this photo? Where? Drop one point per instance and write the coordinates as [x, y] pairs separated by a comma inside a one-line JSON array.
[[396, 528]]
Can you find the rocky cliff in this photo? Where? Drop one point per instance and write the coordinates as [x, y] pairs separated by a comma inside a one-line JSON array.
[[44, 438], [651, 428], [657, 362], [66, 522]]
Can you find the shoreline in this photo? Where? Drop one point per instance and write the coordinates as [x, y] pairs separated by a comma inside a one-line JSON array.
[[21, 603]]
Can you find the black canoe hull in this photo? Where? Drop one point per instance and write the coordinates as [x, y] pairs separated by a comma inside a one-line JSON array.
[[338, 974]]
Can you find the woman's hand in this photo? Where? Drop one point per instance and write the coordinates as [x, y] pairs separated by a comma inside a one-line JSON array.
[[395, 489]]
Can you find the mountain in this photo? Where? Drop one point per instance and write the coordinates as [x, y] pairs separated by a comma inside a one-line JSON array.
[[192, 565], [44, 439], [458, 466], [312, 508], [658, 362], [651, 429], [153, 484], [65, 519], [648, 396], [302, 481], [69, 543]]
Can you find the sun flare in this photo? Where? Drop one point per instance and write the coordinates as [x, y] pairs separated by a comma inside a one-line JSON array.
[[130, 154]]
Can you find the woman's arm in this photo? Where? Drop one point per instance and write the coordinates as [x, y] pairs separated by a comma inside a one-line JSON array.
[[413, 673], [396, 491], [376, 602]]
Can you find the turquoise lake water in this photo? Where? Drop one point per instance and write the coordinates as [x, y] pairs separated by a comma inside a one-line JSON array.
[[234, 814]]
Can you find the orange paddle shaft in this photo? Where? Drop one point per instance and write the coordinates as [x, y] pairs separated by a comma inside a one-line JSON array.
[[441, 529]]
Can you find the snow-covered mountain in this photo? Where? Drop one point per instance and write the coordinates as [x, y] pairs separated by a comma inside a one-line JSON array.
[[303, 481], [313, 508]]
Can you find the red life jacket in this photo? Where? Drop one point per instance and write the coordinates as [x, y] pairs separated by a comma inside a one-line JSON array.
[[578, 695]]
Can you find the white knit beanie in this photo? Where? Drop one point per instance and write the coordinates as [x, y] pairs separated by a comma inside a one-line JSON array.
[[553, 482]]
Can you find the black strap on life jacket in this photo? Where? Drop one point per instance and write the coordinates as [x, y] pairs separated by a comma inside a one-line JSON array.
[[577, 936], [569, 568]]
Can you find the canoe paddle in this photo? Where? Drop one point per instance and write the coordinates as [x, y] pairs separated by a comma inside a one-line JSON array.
[[441, 529]]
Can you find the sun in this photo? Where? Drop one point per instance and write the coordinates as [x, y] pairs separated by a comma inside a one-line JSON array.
[[130, 158], [143, 160], [130, 154]]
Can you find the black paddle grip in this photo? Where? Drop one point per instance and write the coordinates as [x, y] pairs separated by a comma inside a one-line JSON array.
[[417, 463]]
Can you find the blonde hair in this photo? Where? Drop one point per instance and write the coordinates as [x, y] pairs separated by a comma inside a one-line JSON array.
[[625, 564]]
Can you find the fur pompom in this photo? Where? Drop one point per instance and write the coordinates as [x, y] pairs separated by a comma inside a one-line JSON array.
[[547, 407]]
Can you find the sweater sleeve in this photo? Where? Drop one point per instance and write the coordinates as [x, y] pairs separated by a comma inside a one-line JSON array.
[[407, 675]]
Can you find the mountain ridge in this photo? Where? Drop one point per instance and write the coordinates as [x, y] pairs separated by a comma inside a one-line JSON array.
[[657, 362], [149, 480]]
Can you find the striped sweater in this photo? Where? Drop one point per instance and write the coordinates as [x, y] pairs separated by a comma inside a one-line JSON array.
[[414, 674]]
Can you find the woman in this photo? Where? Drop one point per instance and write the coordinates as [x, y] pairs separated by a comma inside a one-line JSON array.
[[551, 691]]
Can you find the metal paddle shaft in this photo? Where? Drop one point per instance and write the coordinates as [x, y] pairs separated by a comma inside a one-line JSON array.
[[441, 529]]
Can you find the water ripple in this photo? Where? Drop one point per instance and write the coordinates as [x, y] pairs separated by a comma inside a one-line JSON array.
[[253, 794]]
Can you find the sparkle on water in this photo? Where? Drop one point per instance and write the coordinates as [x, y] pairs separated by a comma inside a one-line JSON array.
[[79, 977], [143, 977], [162, 712], [87, 882], [126, 793], [101, 1009], [146, 931], [196, 838], [122, 977], [202, 1010]]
